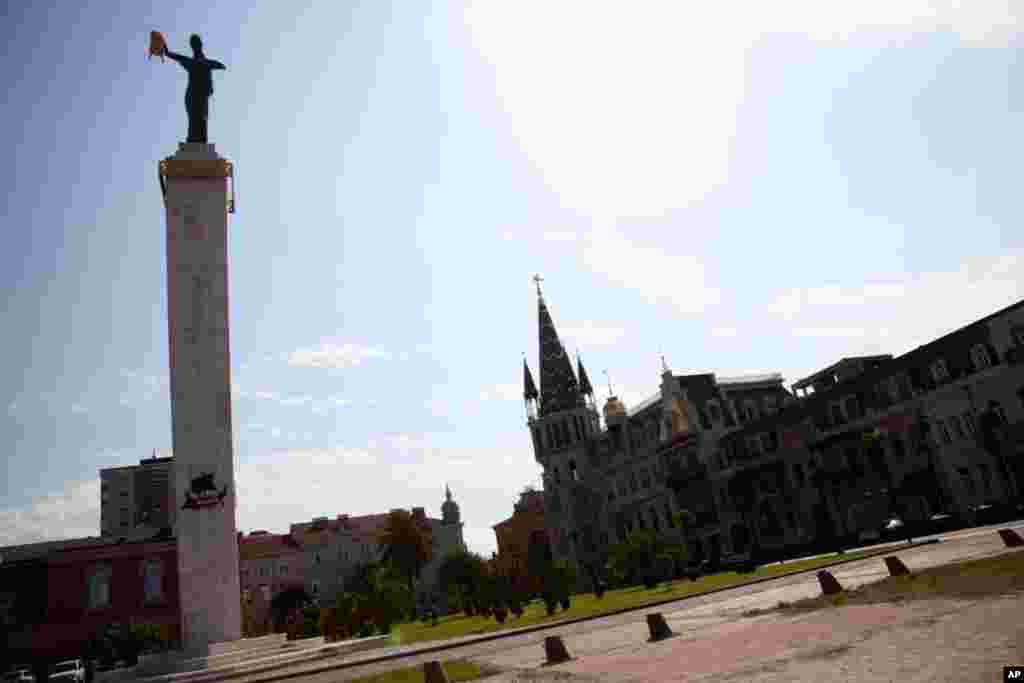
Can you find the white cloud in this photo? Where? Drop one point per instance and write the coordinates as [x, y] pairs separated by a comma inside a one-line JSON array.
[[73, 512], [631, 109], [334, 355], [589, 334], [724, 332], [560, 236], [896, 316], [838, 332], [661, 276], [320, 405], [439, 407], [502, 392]]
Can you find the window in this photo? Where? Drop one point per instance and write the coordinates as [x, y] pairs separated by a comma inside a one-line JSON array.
[[892, 386], [646, 479], [968, 422], [573, 474], [314, 588], [1017, 335], [126, 519], [998, 409], [898, 448], [939, 371], [980, 357], [246, 595], [153, 581], [99, 585], [944, 432], [852, 406], [265, 590], [623, 491], [633, 484], [716, 413], [956, 428], [558, 477], [798, 474], [965, 479], [986, 479], [282, 570]]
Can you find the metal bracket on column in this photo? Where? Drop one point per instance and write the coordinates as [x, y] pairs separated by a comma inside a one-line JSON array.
[[198, 168]]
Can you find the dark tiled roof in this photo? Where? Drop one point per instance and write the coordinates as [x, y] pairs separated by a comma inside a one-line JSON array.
[[558, 388]]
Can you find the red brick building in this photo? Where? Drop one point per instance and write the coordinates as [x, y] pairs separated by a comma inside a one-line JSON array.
[[71, 590], [514, 536]]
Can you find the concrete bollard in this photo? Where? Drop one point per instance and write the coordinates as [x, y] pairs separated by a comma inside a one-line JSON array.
[[829, 584], [554, 650], [658, 627], [433, 672], [1011, 538], [896, 567]]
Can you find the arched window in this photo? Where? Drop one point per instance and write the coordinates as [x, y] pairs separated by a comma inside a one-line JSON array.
[[556, 474], [573, 474]]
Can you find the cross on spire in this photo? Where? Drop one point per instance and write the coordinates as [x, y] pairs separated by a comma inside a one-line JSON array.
[[537, 279]]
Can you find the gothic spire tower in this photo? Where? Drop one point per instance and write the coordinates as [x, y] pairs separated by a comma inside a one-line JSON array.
[[561, 428], [558, 387]]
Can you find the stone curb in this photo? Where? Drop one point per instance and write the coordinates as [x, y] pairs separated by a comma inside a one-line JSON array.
[[567, 622]]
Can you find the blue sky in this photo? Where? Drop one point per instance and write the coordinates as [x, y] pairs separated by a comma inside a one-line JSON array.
[[740, 190]]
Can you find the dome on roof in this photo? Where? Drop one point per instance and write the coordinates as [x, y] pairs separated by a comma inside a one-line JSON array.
[[614, 408]]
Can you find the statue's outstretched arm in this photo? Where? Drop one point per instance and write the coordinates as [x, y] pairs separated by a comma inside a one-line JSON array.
[[180, 59], [214, 64]]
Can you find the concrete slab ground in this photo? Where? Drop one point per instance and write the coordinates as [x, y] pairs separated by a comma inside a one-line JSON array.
[[929, 640]]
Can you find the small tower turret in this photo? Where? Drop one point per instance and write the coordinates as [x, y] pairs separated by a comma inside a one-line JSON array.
[[530, 394], [449, 508]]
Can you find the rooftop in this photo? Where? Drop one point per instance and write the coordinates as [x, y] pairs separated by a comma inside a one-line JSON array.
[[751, 379]]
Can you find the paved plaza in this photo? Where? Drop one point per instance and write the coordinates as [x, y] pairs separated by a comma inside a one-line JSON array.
[[937, 639]]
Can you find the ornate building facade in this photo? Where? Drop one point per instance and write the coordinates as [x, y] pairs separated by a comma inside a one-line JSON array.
[[771, 471]]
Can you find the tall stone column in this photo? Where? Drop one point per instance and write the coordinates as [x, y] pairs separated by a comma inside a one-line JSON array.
[[196, 199]]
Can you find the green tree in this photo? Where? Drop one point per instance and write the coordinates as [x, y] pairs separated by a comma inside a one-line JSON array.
[[377, 594], [464, 570], [406, 544], [634, 557], [687, 523]]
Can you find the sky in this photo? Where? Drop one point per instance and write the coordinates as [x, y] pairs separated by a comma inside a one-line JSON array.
[[743, 190]]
